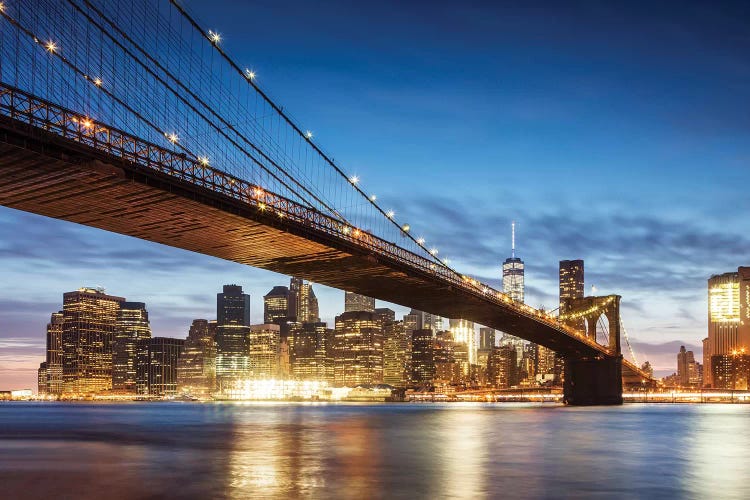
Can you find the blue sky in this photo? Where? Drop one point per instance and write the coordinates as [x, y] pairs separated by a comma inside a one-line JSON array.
[[613, 132]]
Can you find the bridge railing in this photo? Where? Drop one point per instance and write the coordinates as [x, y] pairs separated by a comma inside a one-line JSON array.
[[28, 109]]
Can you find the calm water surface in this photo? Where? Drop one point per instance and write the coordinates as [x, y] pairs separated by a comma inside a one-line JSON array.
[[154, 450]]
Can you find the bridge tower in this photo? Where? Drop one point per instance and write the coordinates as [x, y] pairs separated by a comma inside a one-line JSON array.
[[594, 380]]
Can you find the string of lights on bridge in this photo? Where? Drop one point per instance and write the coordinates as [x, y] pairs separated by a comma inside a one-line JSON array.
[[215, 38]]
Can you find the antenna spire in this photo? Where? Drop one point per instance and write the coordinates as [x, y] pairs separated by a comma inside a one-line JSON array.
[[513, 239]]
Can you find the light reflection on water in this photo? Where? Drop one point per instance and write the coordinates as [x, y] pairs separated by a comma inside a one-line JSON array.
[[456, 450]]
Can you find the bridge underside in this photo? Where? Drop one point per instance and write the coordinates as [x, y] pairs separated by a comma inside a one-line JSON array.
[[45, 174]]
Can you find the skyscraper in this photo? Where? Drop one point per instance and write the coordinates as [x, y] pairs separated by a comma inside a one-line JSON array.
[[571, 279], [723, 318], [356, 302], [276, 306], [358, 354], [312, 352], [463, 332], [232, 329], [303, 302], [422, 356], [41, 379], [486, 338], [264, 344], [196, 366], [132, 326], [157, 366], [513, 272], [396, 354], [54, 358], [89, 323]]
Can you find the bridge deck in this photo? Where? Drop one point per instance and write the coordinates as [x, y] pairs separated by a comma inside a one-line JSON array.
[[44, 173]]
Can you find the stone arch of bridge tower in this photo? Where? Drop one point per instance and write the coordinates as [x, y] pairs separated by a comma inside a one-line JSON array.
[[607, 306]]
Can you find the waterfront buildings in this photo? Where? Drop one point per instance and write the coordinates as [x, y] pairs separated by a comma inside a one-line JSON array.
[[396, 354], [356, 302], [689, 372], [264, 348], [723, 319], [276, 306], [232, 331], [302, 301], [358, 349], [312, 352], [53, 385], [731, 371], [422, 356], [196, 367], [89, 324], [132, 326], [157, 366]]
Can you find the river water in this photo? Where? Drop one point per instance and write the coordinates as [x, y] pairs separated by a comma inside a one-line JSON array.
[[454, 450]]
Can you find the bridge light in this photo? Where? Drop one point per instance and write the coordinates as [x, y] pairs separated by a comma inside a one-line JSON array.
[[405, 228], [357, 232], [354, 179], [420, 241], [2, 7], [51, 46], [98, 81], [434, 251], [250, 74], [87, 123], [203, 160], [373, 197], [390, 214], [257, 192], [172, 137], [262, 206], [308, 134], [214, 37], [445, 261]]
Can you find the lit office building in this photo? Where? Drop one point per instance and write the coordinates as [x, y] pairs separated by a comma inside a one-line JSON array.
[[422, 356], [89, 324], [132, 326], [571, 279], [571, 286], [358, 353], [196, 366], [232, 331], [396, 354], [303, 302], [486, 338], [54, 357], [723, 318], [312, 352], [502, 367], [513, 270], [356, 302], [276, 306], [731, 371], [688, 370], [264, 344], [156, 373], [41, 379], [462, 332]]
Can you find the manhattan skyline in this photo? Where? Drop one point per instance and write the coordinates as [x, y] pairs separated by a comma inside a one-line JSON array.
[[583, 140]]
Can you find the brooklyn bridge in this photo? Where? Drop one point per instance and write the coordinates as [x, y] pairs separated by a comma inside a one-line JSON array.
[[131, 117]]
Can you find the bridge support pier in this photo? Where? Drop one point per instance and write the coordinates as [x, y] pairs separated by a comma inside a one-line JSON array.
[[593, 381]]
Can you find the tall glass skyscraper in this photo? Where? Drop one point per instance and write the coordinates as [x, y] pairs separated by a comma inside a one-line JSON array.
[[132, 326], [513, 270], [232, 330], [54, 360], [358, 353], [196, 368], [723, 319], [89, 324]]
